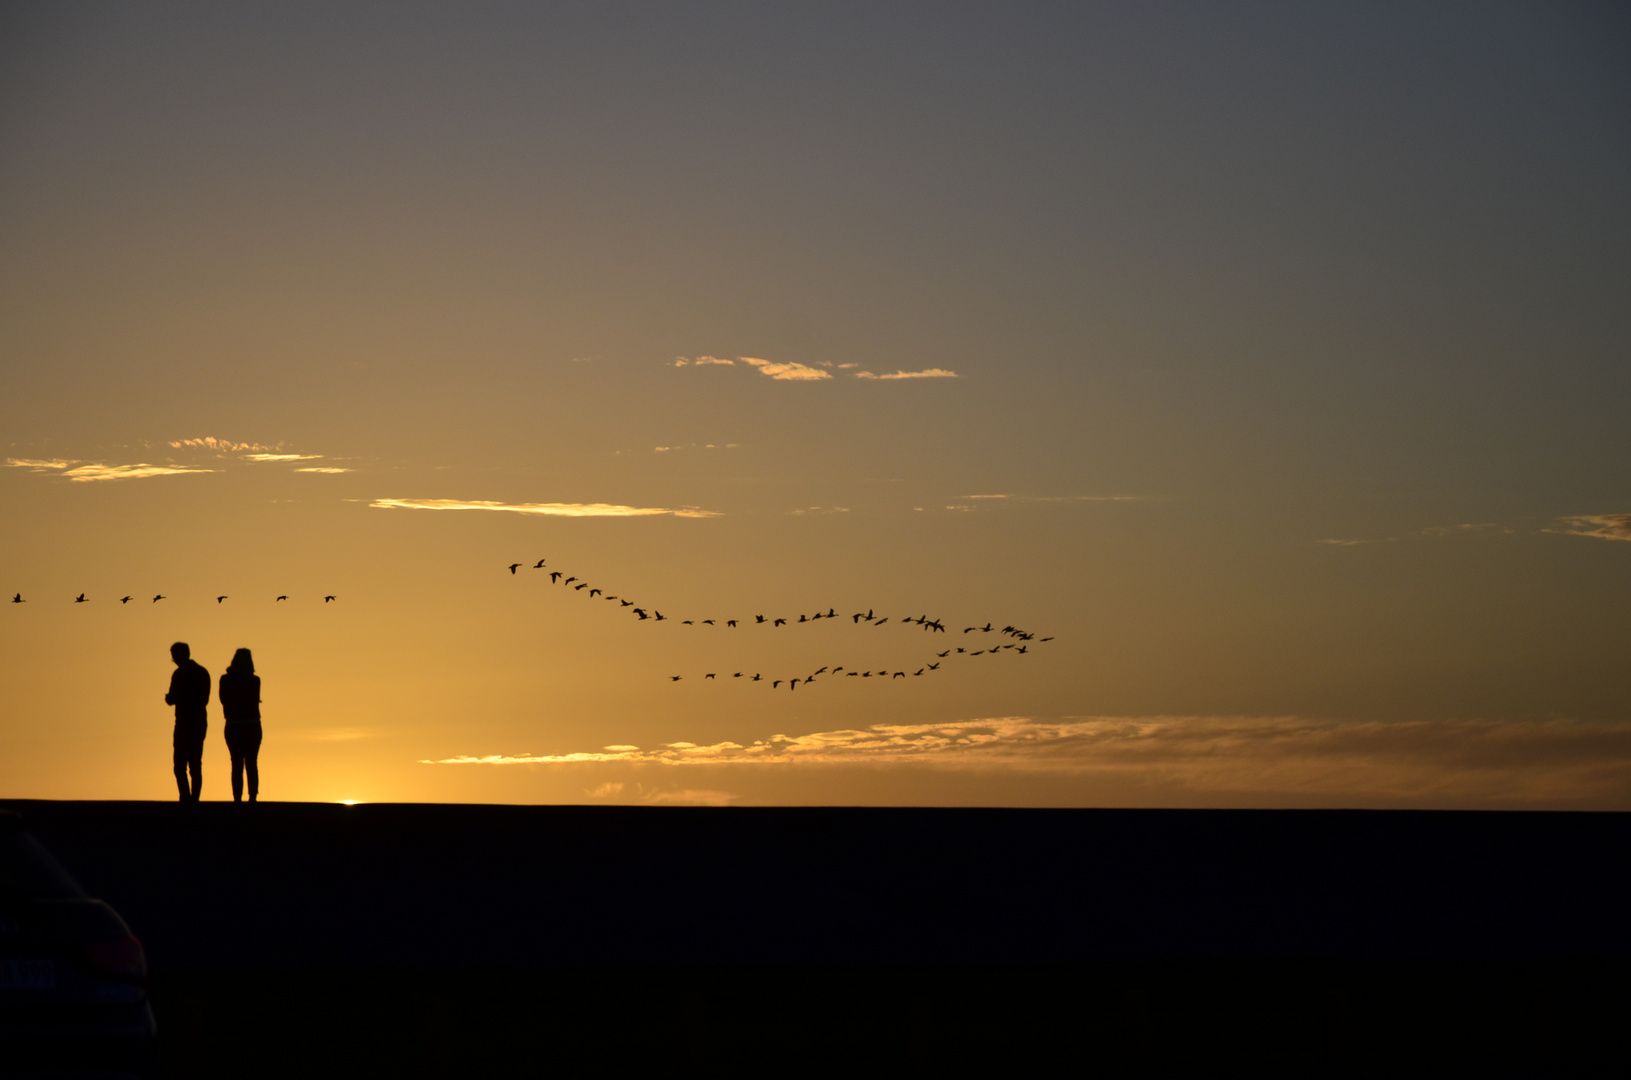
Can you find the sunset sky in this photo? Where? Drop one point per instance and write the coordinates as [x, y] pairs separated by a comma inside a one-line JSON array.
[[1274, 360]]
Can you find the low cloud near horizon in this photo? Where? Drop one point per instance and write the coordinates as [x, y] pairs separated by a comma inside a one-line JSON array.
[[1519, 762]]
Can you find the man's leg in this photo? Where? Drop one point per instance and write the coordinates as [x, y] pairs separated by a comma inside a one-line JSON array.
[[180, 750], [196, 764]]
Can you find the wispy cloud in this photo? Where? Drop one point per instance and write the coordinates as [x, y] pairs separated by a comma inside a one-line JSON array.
[[282, 457], [210, 442], [926, 373], [39, 464], [1509, 760], [323, 469], [127, 472], [1334, 542], [703, 361], [1602, 526], [787, 371], [819, 510], [547, 509]]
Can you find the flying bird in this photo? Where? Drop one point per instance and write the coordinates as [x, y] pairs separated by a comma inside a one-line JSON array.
[[80, 599], [642, 613], [126, 599], [326, 599], [580, 587], [760, 618], [933, 666], [738, 675], [280, 598], [709, 675], [661, 616], [756, 677], [218, 599], [156, 599], [831, 613], [730, 622], [880, 622], [707, 622], [803, 619], [900, 675], [554, 576], [18, 599], [794, 685], [539, 565], [676, 678], [947, 652], [593, 591], [570, 580], [780, 622], [1047, 639], [514, 567], [625, 603], [687, 622], [775, 684], [1022, 649], [818, 671]]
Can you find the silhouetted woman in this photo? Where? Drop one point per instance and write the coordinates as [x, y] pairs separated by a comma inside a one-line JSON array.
[[241, 705]]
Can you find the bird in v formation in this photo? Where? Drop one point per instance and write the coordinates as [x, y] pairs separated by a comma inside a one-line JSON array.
[[869, 617]]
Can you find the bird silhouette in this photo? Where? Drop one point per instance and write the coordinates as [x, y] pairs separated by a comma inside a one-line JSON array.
[[1022, 648], [880, 622], [756, 677], [962, 650], [986, 629], [80, 599], [837, 669], [676, 678], [218, 599], [580, 587], [794, 685], [707, 622], [759, 618], [687, 622], [831, 614], [775, 684], [738, 675], [18, 599], [980, 653], [933, 666], [660, 616], [918, 672], [803, 619], [327, 599], [514, 567], [730, 622], [856, 617], [625, 603], [539, 565], [156, 599], [852, 674], [780, 622], [641, 612], [900, 675], [819, 670], [592, 592], [946, 653], [280, 598], [1047, 639], [609, 596], [554, 576], [570, 580], [709, 675], [126, 599]]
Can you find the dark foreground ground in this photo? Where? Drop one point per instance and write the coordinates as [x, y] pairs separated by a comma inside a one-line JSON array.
[[461, 940]]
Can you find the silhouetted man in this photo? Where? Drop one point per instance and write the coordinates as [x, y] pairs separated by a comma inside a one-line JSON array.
[[190, 694]]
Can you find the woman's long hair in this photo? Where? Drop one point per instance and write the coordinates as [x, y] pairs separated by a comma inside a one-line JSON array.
[[242, 663]]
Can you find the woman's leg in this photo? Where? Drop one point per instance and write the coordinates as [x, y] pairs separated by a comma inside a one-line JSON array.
[[252, 750]]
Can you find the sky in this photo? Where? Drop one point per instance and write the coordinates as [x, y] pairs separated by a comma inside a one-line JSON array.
[[1261, 368]]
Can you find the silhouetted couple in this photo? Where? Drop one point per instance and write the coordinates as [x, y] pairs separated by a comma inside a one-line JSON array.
[[240, 705]]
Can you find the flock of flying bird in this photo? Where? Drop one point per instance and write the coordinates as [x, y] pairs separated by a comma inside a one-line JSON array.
[[1020, 645], [83, 599]]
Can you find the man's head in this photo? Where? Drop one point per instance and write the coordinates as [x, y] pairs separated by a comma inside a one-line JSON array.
[[179, 652]]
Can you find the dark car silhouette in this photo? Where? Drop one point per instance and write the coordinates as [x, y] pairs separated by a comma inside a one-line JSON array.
[[73, 995]]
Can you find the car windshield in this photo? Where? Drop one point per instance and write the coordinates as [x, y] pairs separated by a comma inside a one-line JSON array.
[[28, 872]]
